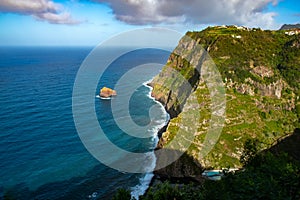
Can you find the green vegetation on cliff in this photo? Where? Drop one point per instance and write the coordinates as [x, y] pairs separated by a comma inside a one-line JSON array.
[[261, 73], [290, 63], [266, 175], [237, 52]]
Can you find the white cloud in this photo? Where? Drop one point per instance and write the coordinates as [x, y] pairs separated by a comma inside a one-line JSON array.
[[240, 12], [45, 10]]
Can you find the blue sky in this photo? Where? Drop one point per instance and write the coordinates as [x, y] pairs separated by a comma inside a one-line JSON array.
[[89, 22]]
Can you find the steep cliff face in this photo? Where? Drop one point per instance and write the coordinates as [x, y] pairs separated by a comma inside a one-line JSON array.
[[178, 78], [260, 72]]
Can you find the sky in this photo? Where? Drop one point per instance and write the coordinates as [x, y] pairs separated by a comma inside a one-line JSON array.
[[90, 22]]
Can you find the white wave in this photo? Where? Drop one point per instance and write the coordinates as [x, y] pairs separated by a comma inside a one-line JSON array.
[[147, 82], [93, 196], [142, 187], [148, 86], [104, 98], [151, 97], [159, 103], [145, 181]]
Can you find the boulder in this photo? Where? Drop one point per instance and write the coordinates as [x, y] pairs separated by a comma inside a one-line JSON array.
[[107, 92]]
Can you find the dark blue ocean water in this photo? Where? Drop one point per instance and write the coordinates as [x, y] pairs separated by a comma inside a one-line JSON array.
[[41, 154]]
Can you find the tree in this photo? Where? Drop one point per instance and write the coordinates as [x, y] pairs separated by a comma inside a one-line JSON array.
[[122, 194], [251, 148]]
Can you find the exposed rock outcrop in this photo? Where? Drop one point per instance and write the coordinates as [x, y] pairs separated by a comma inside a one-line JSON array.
[[290, 26], [107, 92], [260, 100]]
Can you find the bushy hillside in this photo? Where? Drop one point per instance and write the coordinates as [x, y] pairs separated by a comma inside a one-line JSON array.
[[270, 174], [261, 73]]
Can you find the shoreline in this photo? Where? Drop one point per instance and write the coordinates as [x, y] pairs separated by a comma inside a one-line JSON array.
[[156, 179], [157, 134]]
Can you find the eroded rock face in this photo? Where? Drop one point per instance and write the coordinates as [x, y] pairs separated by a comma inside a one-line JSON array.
[[269, 90], [264, 111], [184, 168], [107, 92], [262, 71], [273, 89], [172, 87]]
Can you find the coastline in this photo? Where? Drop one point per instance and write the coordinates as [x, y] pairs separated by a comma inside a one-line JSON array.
[[158, 179], [149, 178]]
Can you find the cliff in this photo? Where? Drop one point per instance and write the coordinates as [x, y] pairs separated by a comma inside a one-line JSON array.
[[260, 74], [290, 26]]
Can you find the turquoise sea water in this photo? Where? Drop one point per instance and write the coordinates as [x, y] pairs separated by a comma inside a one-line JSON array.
[[41, 154]]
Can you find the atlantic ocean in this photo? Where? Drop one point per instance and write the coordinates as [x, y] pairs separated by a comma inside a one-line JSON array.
[[41, 154]]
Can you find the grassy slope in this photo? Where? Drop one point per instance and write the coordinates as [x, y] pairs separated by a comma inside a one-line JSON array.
[[247, 116]]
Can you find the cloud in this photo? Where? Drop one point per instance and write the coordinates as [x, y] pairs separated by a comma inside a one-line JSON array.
[[45, 10], [240, 12]]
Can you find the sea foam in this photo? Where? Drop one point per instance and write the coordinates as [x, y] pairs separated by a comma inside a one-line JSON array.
[[145, 181]]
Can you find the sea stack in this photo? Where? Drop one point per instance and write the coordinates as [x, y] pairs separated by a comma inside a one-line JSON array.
[[107, 92]]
